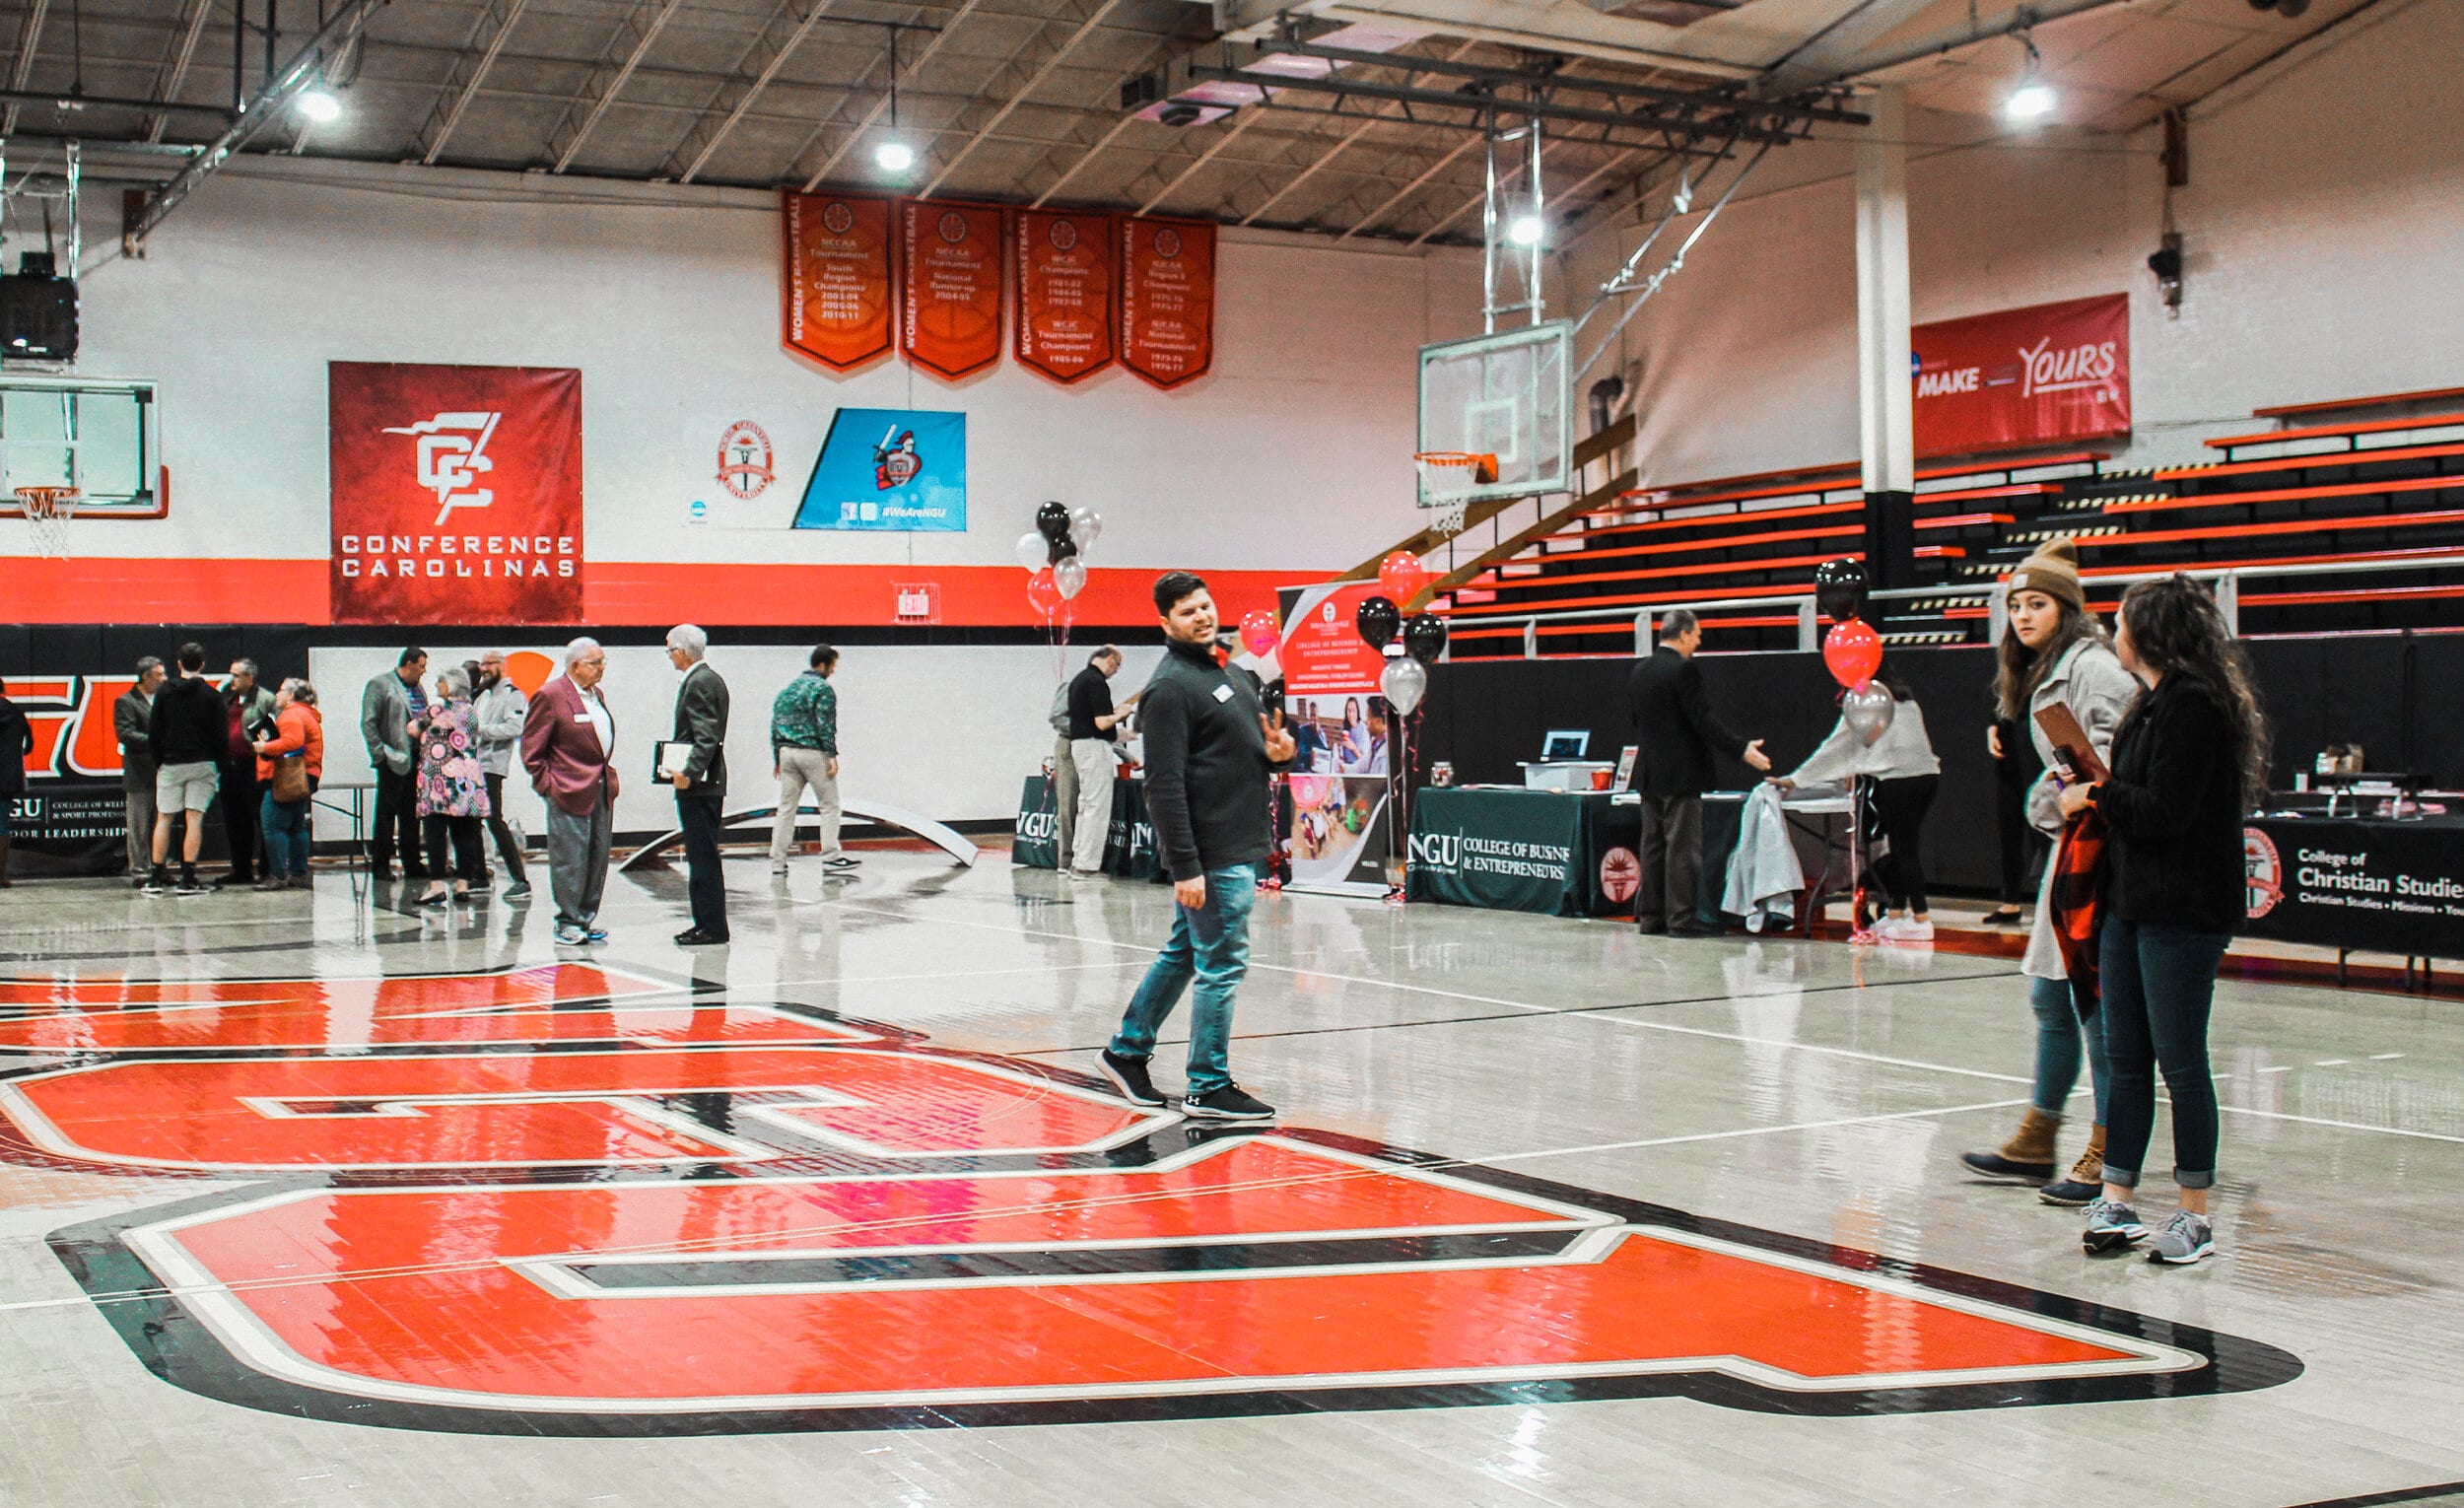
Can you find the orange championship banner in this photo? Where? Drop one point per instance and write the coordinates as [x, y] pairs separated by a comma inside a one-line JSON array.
[[1066, 267], [1167, 298], [839, 278], [457, 493], [2021, 377], [950, 306]]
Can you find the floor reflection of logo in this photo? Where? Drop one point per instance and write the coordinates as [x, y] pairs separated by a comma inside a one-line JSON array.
[[2263, 872], [567, 1201]]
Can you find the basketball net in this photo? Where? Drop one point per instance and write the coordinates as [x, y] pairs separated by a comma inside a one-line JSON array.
[[1448, 479], [47, 512]]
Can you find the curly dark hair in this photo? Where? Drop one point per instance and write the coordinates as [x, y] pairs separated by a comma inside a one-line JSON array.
[[2177, 629]]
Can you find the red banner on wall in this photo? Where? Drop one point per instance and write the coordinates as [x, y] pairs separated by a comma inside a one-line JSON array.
[[457, 493], [1067, 266], [950, 310], [838, 277], [1167, 298], [2024, 376]]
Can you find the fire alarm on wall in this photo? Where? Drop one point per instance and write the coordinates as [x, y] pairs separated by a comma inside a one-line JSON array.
[[917, 602]]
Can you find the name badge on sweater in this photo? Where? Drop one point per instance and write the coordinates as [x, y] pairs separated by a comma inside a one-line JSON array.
[[1223, 693]]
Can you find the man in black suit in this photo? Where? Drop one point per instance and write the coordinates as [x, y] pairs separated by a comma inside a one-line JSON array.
[[1678, 731], [131, 718], [702, 782]]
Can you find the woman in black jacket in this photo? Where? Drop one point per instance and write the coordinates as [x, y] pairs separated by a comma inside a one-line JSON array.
[[2188, 762]]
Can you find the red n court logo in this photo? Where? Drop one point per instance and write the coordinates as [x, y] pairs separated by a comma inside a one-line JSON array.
[[708, 1215]]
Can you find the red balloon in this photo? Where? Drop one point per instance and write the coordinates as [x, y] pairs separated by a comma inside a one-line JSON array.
[[1853, 651], [1258, 631], [1403, 575], [1043, 594]]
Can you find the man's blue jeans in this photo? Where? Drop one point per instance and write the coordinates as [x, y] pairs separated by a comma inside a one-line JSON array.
[[2059, 1034], [2158, 982], [1209, 945]]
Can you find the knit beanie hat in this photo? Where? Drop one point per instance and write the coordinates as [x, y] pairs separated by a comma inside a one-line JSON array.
[[2053, 570]]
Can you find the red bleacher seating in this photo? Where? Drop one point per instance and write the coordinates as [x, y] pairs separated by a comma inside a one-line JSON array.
[[2347, 405], [2338, 431]]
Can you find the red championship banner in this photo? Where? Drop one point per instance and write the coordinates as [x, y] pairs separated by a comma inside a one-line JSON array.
[[838, 277], [950, 306], [1167, 298], [2024, 376], [1067, 266], [457, 493]]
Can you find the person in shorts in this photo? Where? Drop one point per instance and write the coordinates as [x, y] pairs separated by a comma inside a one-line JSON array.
[[187, 731]]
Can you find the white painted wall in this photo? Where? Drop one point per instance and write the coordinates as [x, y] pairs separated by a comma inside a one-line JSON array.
[[2324, 223], [1293, 453]]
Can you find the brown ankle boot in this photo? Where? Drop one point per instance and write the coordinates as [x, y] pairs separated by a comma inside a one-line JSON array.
[[2027, 1157], [2086, 1176]]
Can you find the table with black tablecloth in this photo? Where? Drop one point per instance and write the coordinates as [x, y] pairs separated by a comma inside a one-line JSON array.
[[1129, 849], [1558, 852], [2355, 884]]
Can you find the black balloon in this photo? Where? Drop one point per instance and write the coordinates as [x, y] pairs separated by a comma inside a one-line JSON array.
[[1061, 549], [1839, 589], [1051, 520], [1377, 618], [1424, 638]]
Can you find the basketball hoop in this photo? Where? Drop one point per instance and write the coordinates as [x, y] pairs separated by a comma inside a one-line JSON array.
[[1448, 478], [47, 512]]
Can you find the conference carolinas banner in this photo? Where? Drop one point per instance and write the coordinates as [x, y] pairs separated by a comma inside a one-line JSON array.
[[950, 302], [1167, 298], [838, 277], [457, 493], [2039, 376], [1066, 268]]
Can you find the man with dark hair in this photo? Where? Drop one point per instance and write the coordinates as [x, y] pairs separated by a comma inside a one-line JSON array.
[[132, 716], [1092, 734], [1208, 755], [498, 713], [1678, 731], [247, 716], [804, 754], [187, 732], [393, 702]]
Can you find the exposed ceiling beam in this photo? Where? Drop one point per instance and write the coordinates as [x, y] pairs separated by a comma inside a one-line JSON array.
[[469, 71], [1476, 200], [175, 60], [1386, 112], [639, 29], [781, 48], [1084, 158], [1411, 188], [2009, 22], [1823, 53], [1019, 95], [27, 34], [1247, 118], [880, 105], [1567, 28]]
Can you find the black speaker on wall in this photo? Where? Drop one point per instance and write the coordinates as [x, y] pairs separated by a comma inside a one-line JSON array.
[[37, 313]]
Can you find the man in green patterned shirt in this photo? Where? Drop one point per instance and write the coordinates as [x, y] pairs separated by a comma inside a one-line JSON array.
[[805, 751]]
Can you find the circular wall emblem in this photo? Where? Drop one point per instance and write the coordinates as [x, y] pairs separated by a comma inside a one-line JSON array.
[[837, 218], [953, 226], [2263, 872], [1620, 874], [744, 460], [700, 511], [1064, 235], [1167, 242]]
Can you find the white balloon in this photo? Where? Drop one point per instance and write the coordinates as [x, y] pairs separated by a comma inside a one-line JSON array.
[[1868, 711], [1404, 683], [1032, 549], [1069, 576], [1086, 525]]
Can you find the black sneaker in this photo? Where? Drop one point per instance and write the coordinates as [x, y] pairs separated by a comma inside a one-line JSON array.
[[840, 863], [159, 882], [1128, 1075], [1228, 1103], [188, 883], [232, 880]]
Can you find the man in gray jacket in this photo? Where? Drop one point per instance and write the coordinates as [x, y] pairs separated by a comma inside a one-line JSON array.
[[392, 701], [130, 717], [498, 713]]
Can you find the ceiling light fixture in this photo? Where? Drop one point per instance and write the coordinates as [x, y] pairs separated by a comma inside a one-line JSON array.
[[2034, 99], [318, 104], [893, 155], [1526, 230]]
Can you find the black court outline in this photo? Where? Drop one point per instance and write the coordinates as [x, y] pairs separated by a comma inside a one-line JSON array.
[[176, 1346]]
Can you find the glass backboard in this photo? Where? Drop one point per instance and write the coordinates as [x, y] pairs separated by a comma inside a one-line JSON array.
[[97, 435], [1509, 395]]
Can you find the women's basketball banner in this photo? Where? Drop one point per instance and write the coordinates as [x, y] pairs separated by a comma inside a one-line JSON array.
[[950, 306], [2024, 376], [457, 493], [1167, 298], [838, 277], [1067, 266]]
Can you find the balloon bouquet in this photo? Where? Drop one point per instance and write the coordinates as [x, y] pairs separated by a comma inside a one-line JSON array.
[[1054, 554], [1404, 681], [1853, 652]]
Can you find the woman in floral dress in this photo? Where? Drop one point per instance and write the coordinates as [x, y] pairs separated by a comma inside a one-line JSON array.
[[453, 787]]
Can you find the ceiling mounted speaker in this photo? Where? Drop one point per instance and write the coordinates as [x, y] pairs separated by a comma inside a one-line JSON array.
[[1669, 12]]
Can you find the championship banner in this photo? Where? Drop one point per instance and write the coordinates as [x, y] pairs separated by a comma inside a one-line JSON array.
[[2024, 376], [1321, 652], [1167, 298], [889, 468], [1067, 265], [838, 277], [950, 305], [457, 493]]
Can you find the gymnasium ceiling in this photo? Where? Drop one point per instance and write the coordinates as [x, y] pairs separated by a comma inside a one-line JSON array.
[[1020, 100]]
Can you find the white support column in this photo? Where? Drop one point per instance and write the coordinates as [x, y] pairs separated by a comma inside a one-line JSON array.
[[1885, 386]]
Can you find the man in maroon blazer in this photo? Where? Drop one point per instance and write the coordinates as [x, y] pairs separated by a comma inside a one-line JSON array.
[[568, 739]]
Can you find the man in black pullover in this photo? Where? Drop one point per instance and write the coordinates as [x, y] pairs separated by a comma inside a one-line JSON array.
[[1209, 756], [189, 730]]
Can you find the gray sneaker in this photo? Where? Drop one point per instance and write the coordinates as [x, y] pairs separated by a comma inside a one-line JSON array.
[[2184, 1239], [2111, 1226]]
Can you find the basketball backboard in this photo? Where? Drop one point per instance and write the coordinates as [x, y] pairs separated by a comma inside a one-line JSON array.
[[1509, 395], [100, 436]]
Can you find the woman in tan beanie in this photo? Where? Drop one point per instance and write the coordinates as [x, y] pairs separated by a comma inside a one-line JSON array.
[[2054, 650]]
